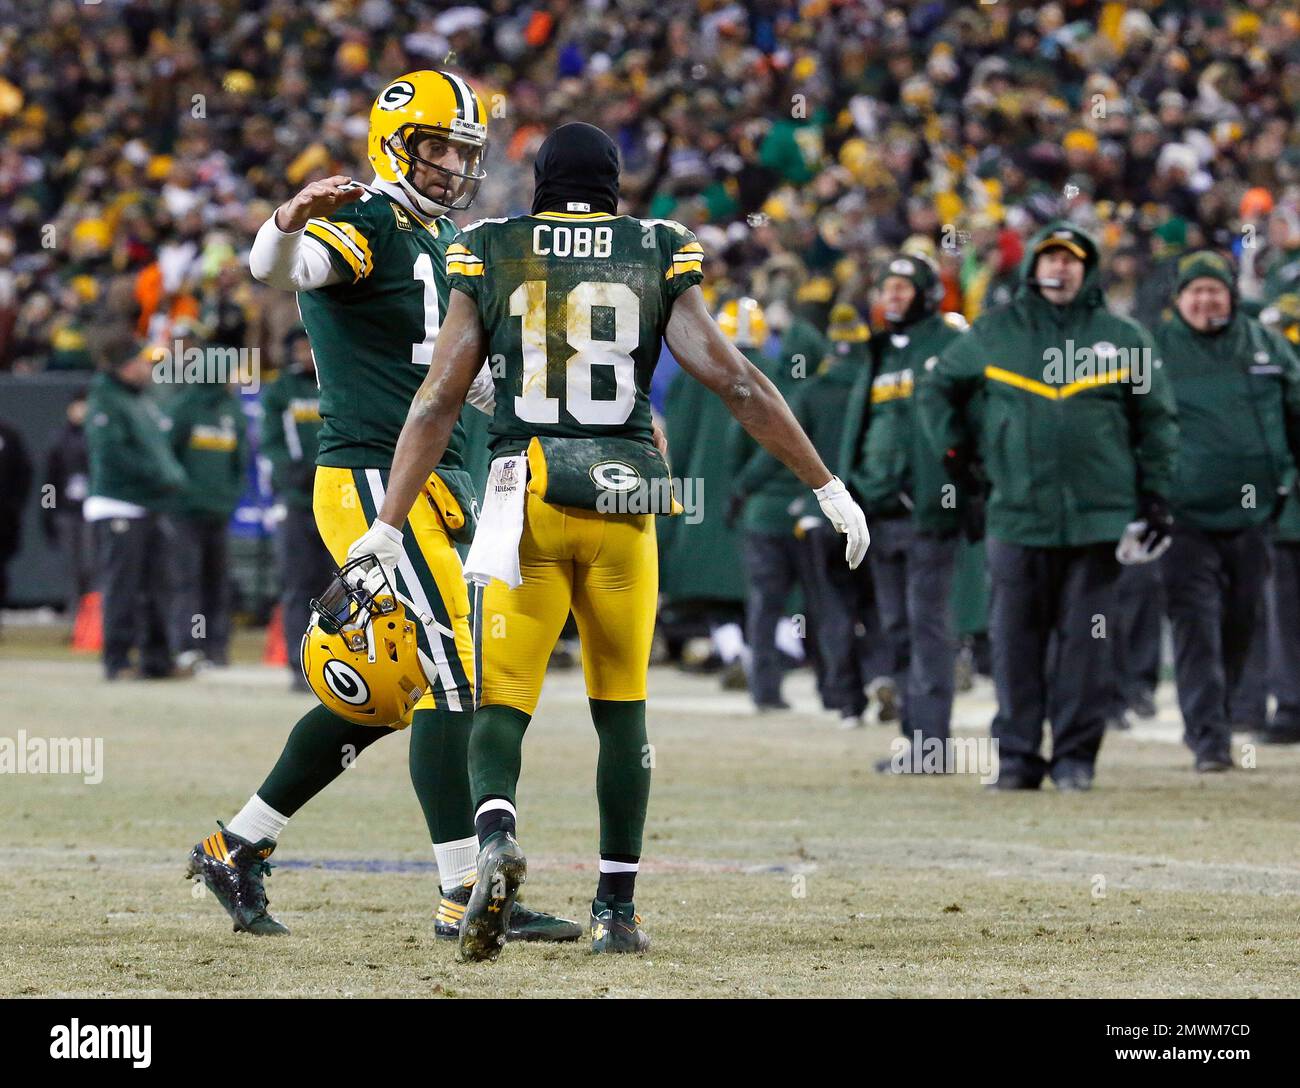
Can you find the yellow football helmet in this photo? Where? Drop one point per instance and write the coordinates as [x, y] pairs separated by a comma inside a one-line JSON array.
[[743, 322], [429, 104], [360, 654]]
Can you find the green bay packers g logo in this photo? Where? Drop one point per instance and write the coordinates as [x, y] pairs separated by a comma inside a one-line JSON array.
[[345, 682], [396, 95], [615, 476]]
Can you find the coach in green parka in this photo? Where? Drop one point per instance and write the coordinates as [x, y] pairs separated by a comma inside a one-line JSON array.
[[1077, 437], [1237, 386], [897, 472]]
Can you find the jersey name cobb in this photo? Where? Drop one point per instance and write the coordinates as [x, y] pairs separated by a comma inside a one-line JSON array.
[[552, 240]]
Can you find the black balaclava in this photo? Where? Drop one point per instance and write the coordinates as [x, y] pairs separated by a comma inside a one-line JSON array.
[[576, 164]]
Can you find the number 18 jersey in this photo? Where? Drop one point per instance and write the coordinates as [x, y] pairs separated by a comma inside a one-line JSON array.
[[575, 306]]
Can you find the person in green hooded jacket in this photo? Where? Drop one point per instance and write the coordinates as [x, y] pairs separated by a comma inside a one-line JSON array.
[[1237, 385], [1076, 431], [1283, 601], [765, 505], [915, 510], [134, 478], [209, 436]]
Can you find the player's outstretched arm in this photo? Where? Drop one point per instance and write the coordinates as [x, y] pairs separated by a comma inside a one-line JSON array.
[[702, 350], [278, 257], [457, 358]]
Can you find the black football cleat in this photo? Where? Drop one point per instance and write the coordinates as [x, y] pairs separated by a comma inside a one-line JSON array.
[[525, 924], [233, 868], [616, 927], [502, 869]]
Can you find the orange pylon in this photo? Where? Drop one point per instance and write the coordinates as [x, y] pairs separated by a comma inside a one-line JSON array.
[[88, 627], [274, 651]]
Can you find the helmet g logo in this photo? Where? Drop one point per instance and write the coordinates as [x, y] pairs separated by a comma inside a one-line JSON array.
[[615, 476], [395, 95], [345, 682]]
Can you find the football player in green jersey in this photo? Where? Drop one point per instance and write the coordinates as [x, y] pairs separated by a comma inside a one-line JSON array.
[[572, 304], [369, 265]]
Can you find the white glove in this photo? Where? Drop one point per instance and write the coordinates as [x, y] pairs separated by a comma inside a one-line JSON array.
[[846, 517], [383, 542]]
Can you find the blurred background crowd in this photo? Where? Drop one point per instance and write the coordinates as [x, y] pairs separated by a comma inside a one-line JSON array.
[[142, 143]]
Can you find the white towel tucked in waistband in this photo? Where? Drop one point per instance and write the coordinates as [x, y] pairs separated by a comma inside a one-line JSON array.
[[495, 551]]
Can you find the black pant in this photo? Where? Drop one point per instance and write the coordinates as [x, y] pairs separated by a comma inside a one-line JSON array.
[[76, 541], [774, 564], [135, 586], [850, 648], [913, 573], [1214, 583], [305, 568], [1139, 611], [201, 594], [1048, 625], [1284, 634]]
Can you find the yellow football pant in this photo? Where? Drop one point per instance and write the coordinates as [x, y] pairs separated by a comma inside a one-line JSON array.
[[602, 567], [345, 502]]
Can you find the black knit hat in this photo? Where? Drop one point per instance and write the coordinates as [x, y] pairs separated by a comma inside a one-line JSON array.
[[576, 164]]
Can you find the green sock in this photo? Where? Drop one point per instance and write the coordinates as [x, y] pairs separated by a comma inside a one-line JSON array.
[[622, 774], [439, 752], [320, 748], [494, 751]]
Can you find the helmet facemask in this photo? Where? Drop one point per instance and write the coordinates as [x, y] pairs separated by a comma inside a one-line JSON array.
[[468, 139], [347, 610]]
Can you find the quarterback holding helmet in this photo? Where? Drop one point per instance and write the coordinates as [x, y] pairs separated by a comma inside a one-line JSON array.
[[368, 263]]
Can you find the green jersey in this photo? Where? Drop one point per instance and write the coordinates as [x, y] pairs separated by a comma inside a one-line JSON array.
[[372, 335], [575, 307]]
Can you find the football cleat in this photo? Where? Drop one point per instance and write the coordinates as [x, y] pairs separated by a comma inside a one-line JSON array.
[[616, 927], [502, 868], [233, 868], [525, 924]]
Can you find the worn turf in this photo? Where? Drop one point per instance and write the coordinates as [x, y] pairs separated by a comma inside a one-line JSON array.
[[776, 861]]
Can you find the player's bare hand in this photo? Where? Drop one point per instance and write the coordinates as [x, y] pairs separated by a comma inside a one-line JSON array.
[[316, 199]]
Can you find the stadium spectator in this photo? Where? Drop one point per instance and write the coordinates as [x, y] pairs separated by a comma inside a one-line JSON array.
[[134, 479], [291, 423], [1072, 454], [1237, 387]]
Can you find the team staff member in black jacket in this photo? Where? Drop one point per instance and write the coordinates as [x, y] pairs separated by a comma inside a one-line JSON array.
[[1077, 434], [1237, 385]]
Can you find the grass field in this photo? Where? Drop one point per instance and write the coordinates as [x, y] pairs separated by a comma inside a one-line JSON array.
[[776, 862]]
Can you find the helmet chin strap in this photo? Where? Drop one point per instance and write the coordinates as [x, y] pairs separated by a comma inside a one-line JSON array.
[[409, 197]]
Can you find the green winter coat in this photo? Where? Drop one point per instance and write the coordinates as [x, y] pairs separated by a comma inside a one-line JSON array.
[[775, 494], [1238, 395], [126, 439], [889, 459], [802, 350], [1068, 443], [209, 436], [291, 424], [699, 553]]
